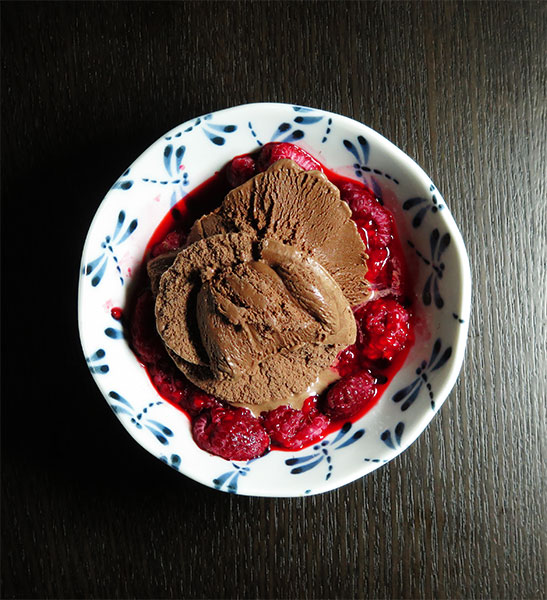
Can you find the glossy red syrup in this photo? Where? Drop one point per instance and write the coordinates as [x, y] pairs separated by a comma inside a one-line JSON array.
[[389, 281]]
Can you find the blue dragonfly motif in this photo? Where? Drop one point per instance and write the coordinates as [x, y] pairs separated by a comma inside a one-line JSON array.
[[114, 333], [96, 268], [141, 419], [168, 154], [215, 132], [229, 480], [322, 452], [375, 460], [437, 360], [123, 183], [291, 130], [173, 461], [360, 150], [172, 162], [437, 247], [95, 364], [254, 133], [393, 442], [422, 206], [327, 130]]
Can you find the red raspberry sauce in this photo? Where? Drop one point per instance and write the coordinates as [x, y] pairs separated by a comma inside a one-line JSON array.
[[390, 271]]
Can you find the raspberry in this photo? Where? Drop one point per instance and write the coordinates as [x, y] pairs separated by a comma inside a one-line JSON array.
[[351, 395], [385, 275], [357, 196], [172, 241], [383, 329], [293, 429], [369, 215], [240, 169], [165, 377], [273, 152], [197, 400], [144, 338], [231, 433], [348, 361], [376, 263], [169, 384]]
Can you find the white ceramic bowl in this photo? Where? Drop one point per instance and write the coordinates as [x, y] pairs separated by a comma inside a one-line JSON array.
[[436, 256]]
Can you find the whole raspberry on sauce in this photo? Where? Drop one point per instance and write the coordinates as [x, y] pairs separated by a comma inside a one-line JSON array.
[[385, 272], [231, 433], [165, 377], [374, 222], [383, 329], [144, 338], [240, 169], [197, 400], [169, 384], [293, 429], [357, 196], [275, 151], [351, 395], [377, 262], [348, 361]]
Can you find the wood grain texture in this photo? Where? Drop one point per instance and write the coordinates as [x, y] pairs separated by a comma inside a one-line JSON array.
[[460, 87]]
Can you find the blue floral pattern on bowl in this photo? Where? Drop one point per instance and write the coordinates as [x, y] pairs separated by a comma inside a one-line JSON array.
[[185, 157]]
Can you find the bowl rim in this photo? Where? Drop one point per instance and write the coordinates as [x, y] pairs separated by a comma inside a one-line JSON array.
[[459, 341]]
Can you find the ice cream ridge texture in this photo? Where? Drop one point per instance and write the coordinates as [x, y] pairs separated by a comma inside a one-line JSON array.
[[258, 304]]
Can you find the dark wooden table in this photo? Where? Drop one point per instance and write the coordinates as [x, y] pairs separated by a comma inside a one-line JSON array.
[[86, 87]]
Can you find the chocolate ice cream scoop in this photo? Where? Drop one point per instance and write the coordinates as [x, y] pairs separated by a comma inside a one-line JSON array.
[[259, 303], [253, 310], [299, 208]]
